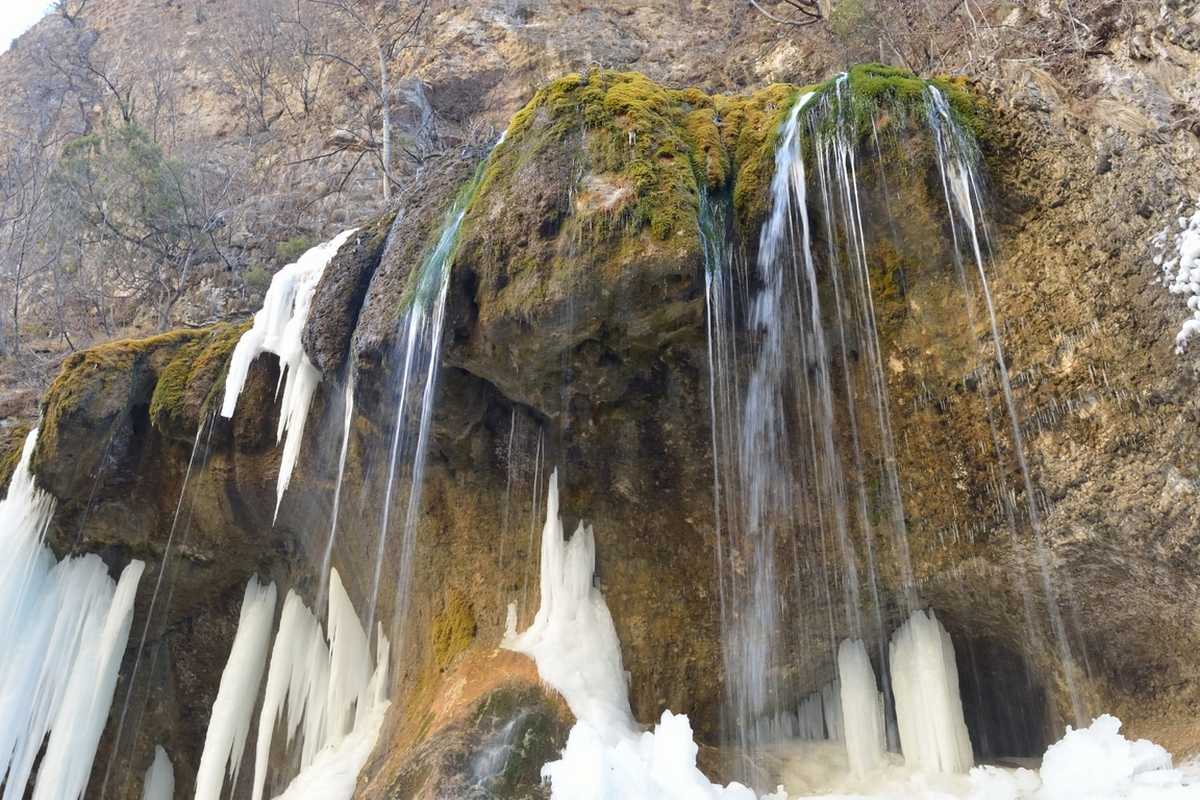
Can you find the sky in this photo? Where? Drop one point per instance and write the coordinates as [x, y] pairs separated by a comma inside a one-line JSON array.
[[18, 16]]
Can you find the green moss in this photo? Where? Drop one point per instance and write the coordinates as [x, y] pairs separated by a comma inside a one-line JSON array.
[[99, 371], [453, 629], [750, 130], [628, 126], [12, 442], [669, 146], [190, 382], [889, 273]]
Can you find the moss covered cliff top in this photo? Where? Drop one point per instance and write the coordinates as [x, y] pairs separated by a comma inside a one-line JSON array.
[[658, 148], [171, 377]]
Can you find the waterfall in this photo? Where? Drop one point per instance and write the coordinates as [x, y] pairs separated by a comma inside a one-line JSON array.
[[957, 156], [156, 614], [792, 469], [799, 483], [65, 625], [418, 358]]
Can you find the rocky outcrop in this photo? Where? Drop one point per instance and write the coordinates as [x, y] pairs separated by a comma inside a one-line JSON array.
[[340, 297]]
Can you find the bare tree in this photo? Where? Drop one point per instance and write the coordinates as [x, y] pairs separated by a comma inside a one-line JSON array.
[[790, 12], [252, 50], [27, 252], [389, 27]]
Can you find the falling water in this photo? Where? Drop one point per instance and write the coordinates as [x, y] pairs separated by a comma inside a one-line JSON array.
[[347, 421], [418, 349], [961, 187], [803, 440], [156, 613], [799, 483]]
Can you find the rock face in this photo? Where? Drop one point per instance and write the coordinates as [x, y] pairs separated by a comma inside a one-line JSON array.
[[575, 339]]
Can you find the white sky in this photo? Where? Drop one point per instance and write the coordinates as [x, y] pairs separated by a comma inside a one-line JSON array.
[[18, 16]]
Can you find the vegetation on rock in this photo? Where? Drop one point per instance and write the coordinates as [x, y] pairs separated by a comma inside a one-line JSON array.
[[453, 629], [191, 381], [101, 374], [12, 440]]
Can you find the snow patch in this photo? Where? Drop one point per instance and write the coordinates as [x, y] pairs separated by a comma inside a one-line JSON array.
[[1178, 256]]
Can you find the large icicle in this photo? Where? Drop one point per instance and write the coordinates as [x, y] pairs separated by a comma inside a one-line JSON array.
[[278, 328], [298, 678], [572, 637], [862, 708], [334, 699], [230, 720], [64, 630], [929, 714], [574, 643], [67, 762], [159, 783]]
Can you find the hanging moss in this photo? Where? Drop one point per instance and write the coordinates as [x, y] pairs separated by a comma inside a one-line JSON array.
[[883, 98], [642, 154], [750, 130]]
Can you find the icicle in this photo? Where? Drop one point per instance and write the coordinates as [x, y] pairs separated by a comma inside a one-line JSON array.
[[159, 783], [831, 702], [334, 699], [811, 718], [333, 756], [278, 328], [574, 643], [929, 714], [862, 708], [67, 762], [65, 629], [230, 720], [572, 637], [298, 677]]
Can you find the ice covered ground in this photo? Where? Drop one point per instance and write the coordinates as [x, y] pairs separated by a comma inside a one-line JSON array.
[[609, 757], [1093, 763]]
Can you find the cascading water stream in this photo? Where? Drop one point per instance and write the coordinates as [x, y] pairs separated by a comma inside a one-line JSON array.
[[156, 618], [418, 348], [960, 182], [794, 395], [347, 422], [795, 363]]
